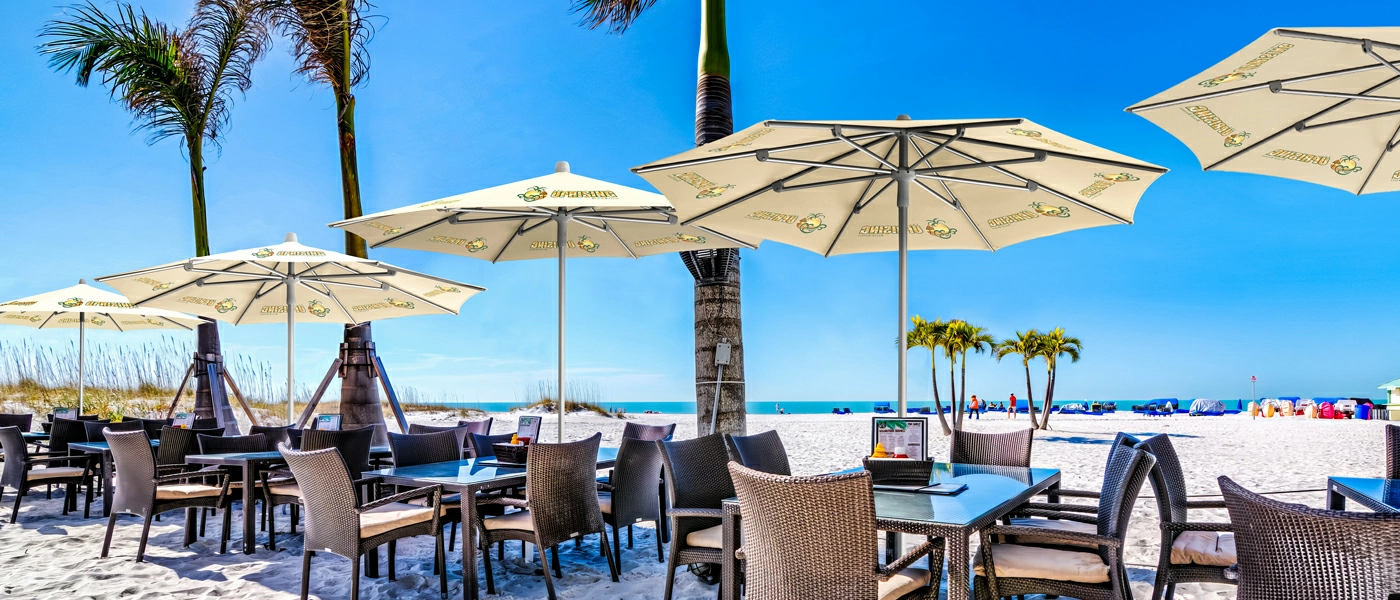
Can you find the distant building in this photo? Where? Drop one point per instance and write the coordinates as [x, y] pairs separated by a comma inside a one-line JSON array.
[[1392, 392]]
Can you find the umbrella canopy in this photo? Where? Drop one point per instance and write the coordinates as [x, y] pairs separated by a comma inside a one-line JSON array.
[[1316, 105], [83, 306], [842, 187], [290, 282], [560, 215]]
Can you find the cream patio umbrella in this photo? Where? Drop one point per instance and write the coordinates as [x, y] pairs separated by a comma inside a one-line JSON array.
[[560, 215], [1316, 105], [289, 282], [83, 306], [844, 187]]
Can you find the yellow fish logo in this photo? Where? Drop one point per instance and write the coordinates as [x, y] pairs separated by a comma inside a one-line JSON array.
[[263, 253], [534, 193], [71, 302], [587, 244], [939, 228], [812, 223], [226, 305], [316, 308], [1050, 211], [399, 303], [1346, 165]]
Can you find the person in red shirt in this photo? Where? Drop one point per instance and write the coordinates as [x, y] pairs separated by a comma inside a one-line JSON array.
[[1011, 407], [976, 408]]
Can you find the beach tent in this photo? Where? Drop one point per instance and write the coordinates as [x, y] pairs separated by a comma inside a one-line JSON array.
[[1203, 406]]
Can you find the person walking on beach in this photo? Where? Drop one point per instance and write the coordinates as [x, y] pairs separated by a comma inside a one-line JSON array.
[[976, 408], [1011, 407]]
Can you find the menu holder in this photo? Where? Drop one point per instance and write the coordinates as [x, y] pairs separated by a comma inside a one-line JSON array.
[[893, 433], [183, 420], [529, 429], [65, 413], [328, 422]]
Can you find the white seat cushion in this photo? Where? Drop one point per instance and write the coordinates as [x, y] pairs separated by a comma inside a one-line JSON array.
[[605, 503], [54, 472], [392, 516], [904, 582], [518, 520], [186, 491], [1204, 548], [285, 489], [709, 537], [1049, 524], [1013, 560]]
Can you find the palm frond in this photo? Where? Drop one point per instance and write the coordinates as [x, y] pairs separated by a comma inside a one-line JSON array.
[[231, 36], [618, 15], [317, 29]]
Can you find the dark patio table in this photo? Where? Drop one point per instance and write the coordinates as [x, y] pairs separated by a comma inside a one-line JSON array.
[[991, 493], [469, 477], [101, 448], [250, 463], [34, 436], [1380, 495]]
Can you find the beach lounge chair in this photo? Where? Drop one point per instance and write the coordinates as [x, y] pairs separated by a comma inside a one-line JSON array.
[[883, 408], [18, 472], [760, 452], [1202, 407], [142, 491], [632, 492], [925, 411], [999, 449], [697, 483], [814, 538], [1191, 552]]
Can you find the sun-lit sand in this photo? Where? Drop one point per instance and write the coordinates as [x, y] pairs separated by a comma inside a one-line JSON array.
[[48, 556]]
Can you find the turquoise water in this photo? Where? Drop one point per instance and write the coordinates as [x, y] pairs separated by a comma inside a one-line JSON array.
[[799, 408]]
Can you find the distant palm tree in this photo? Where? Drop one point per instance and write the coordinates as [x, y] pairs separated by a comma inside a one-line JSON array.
[[929, 335], [1026, 345], [1053, 345], [175, 83], [964, 337]]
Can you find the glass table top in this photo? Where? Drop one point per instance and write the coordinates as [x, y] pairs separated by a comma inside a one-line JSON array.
[[270, 455], [99, 446], [466, 472], [1383, 491]]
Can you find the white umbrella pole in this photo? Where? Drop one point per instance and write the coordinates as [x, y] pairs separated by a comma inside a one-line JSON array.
[[291, 348], [82, 357], [901, 179], [559, 242]]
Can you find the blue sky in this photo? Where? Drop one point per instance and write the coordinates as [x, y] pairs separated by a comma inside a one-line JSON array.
[[1223, 275]]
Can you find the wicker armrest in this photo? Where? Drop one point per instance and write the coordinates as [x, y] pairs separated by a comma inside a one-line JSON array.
[[1058, 507], [1061, 515], [711, 513], [32, 460], [171, 468], [1177, 527], [892, 569], [1070, 493], [222, 475], [502, 501], [368, 480], [605, 487], [1054, 534], [1205, 504], [429, 491]]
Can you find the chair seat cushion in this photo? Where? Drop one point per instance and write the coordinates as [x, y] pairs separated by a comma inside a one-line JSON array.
[[519, 520], [709, 537], [186, 491], [1206, 548], [285, 489], [605, 503], [390, 517], [54, 472], [1054, 525], [1032, 562], [904, 582]]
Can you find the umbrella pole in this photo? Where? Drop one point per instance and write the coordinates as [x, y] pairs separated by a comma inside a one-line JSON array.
[[82, 357], [291, 348], [902, 179], [560, 244]]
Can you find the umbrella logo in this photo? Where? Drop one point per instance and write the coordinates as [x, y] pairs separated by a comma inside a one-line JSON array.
[[534, 193], [439, 290], [98, 321], [382, 227], [263, 253], [1116, 177], [71, 302], [1395, 176], [1050, 211], [399, 303], [156, 286], [1106, 180], [225, 305], [812, 223], [156, 322], [33, 302], [1236, 140], [587, 244], [316, 308], [746, 140], [939, 229], [1025, 132], [694, 239], [475, 245], [1036, 136], [1346, 165], [1240, 71], [708, 189], [1226, 78], [1200, 113]]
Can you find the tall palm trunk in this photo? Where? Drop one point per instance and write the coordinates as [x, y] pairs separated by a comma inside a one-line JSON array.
[[1030, 399], [953, 391], [962, 393], [718, 314], [207, 344], [1049, 396], [938, 404]]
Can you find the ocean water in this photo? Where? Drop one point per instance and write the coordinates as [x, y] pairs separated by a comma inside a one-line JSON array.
[[799, 407]]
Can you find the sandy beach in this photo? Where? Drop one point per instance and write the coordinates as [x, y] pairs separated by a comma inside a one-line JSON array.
[[45, 555]]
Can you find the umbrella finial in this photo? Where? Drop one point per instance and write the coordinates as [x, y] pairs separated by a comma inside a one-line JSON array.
[[291, 237], [561, 166], [82, 282], [902, 118]]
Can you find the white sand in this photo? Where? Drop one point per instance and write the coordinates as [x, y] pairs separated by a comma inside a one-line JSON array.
[[48, 556]]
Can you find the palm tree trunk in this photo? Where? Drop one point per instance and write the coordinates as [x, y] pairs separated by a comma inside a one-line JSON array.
[[717, 305], [1030, 400], [1049, 396], [953, 393], [938, 404], [206, 335]]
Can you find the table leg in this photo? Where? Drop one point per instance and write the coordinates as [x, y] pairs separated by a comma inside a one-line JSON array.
[[957, 567], [469, 591], [729, 566], [191, 525], [894, 543], [250, 531], [1335, 501], [107, 487]]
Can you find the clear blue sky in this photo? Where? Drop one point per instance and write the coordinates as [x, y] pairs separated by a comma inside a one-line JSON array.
[[1223, 276]]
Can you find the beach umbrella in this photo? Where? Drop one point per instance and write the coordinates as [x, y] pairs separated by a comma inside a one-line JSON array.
[[560, 215], [289, 282], [83, 306], [1316, 105], [843, 187]]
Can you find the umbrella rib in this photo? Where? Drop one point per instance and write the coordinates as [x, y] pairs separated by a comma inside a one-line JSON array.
[[963, 209], [1252, 88], [115, 323], [1054, 153], [836, 132], [817, 184], [764, 157], [1327, 37], [1378, 115], [422, 299], [891, 129], [618, 238], [860, 204], [937, 146], [702, 161], [1388, 148], [1052, 191], [519, 231], [1039, 156], [1029, 186], [46, 321], [249, 306], [754, 194], [338, 303], [410, 232], [727, 237]]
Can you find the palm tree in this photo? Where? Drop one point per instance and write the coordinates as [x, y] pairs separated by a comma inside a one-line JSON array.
[[175, 83], [964, 337], [329, 38], [929, 335], [716, 272], [1052, 346], [1027, 346]]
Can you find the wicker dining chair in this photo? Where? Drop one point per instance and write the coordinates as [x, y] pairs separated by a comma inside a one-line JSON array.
[[461, 432], [814, 538], [483, 446], [142, 491], [632, 492], [1291, 551], [276, 435], [93, 429], [1012, 449], [154, 427], [697, 484], [176, 444], [561, 503], [18, 472], [1392, 451], [427, 448], [337, 522], [1088, 566], [353, 447], [64, 432], [209, 423], [219, 444], [1191, 552], [23, 422], [483, 426], [760, 451], [648, 433]]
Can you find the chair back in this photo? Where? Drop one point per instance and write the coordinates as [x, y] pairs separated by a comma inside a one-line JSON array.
[[153, 427], [1292, 551], [23, 422], [329, 497], [482, 427], [1123, 477], [1168, 479], [16, 453], [64, 432], [760, 451], [636, 495], [648, 433], [481, 445], [795, 528], [89, 418], [899, 471], [353, 444], [1392, 451], [136, 467], [1011, 449], [93, 429], [210, 423], [563, 492], [220, 444], [696, 477], [461, 432], [176, 444], [275, 435], [424, 448]]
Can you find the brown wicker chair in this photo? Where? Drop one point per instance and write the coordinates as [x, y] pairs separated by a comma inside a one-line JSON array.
[[19, 472], [176, 444], [999, 449], [648, 433], [461, 432], [760, 452], [1173, 509], [427, 448], [94, 429], [23, 422], [483, 426], [276, 435], [140, 490], [154, 427], [632, 492], [352, 445], [697, 484], [218, 444], [561, 503], [1392, 451], [1291, 551], [337, 522], [1088, 566], [64, 432], [814, 538], [210, 423]]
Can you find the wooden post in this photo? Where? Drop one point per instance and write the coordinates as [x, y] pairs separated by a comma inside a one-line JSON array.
[[320, 391], [170, 414], [389, 392], [248, 410]]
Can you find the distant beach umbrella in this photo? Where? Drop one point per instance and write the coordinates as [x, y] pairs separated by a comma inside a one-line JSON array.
[[1316, 105], [83, 306], [560, 215], [844, 187], [289, 282]]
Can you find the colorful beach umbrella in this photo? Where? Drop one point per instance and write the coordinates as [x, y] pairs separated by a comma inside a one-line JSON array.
[[83, 306], [560, 215], [1316, 105], [290, 282], [843, 187]]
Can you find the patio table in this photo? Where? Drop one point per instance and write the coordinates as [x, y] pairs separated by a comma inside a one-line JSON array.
[[468, 477], [1380, 495], [102, 449], [33, 436], [991, 493]]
